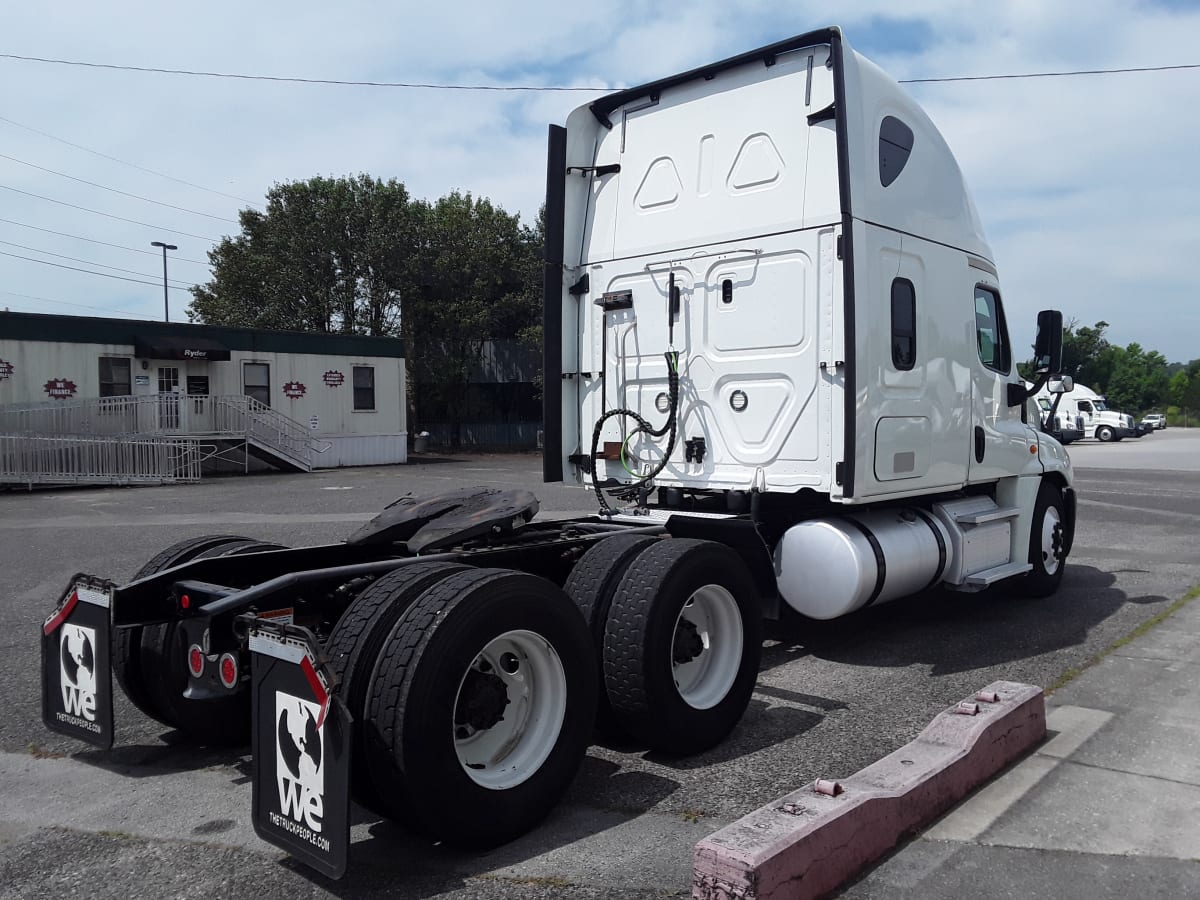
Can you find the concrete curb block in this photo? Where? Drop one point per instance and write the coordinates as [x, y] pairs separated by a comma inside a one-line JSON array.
[[808, 843]]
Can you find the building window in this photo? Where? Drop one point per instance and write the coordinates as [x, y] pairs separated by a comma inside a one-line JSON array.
[[364, 387], [991, 332], [256, 382], [904, 324], [115, 380]]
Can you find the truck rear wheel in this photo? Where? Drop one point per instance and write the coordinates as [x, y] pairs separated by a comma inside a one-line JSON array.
[[682, 645], [591, 584], [353, 649], [1047, 544], [127, 642], [481, 707], [225, 721]]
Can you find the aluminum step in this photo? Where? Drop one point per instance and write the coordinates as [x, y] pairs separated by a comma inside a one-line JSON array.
[[988, 515], [991, 576]]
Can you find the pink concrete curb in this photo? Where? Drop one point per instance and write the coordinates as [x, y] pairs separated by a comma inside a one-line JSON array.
[[807, 843]]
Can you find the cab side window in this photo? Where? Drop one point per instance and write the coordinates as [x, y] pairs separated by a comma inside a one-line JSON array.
[[991, 332]]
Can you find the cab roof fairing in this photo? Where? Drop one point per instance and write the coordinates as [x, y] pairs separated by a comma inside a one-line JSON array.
[[930, 198]]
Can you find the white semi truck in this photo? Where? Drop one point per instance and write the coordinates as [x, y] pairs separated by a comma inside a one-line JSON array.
[[1092, 411], [776, 350]]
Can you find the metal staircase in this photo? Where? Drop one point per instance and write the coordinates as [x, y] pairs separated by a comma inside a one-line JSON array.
[[157, 438]]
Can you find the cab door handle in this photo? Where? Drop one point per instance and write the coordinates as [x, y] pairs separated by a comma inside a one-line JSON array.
[[979, 447]]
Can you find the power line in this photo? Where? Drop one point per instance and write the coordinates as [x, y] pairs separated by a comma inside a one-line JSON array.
[[123, 162], [533, 88], [109, 215], [89, 262], [46, 262], [68, 303], [79, 237], [115, 191], [1049, 74], [299, 80]]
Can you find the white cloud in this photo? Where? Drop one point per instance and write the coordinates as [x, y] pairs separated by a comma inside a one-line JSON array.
[[1086, 185]]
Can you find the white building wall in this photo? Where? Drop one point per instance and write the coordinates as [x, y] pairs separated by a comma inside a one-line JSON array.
[[326, 407]]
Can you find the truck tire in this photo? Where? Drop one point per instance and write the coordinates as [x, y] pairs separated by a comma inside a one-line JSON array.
[[591, 584], [127, 642], [224, 722], [481, 707], [682, 645], [1047, 550], [1104, 433], [353, 649]]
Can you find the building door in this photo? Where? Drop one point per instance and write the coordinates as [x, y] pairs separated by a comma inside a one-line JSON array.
[[1000, 440], [168, 398]]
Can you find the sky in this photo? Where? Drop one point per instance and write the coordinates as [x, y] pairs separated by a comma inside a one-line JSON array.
[[1087, 186]]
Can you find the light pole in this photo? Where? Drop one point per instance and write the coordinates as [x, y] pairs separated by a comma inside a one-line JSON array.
[[165, 248]]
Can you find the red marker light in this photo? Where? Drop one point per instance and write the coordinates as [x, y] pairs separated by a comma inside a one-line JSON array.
[[195, 661], [228, 670], [185, 601]]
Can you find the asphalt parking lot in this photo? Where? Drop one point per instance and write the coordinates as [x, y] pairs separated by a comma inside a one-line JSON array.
[[158, 817]]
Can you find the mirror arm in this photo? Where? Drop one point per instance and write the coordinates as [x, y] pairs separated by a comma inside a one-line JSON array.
[[1018, 393]]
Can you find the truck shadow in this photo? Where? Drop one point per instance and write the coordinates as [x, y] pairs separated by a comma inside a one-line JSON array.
[[606, 807], [953, 632]]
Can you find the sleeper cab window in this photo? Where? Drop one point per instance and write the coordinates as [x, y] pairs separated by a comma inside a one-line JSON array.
[[904, 324], [895, 146], [990, 331], [364, 388]]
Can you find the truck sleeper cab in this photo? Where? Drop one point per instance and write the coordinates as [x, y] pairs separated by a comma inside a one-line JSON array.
[[778, 254]]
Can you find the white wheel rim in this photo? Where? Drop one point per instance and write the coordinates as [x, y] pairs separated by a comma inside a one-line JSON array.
[[510, 751], [1051, 524], [710, 623]]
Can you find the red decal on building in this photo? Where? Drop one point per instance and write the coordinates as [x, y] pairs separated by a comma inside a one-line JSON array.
[[333, 378], [6, 370], [60, 388], [294, 389]]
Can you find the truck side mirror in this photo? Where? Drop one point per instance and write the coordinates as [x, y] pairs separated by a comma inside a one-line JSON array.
[[1047, 349], [1063, 384]]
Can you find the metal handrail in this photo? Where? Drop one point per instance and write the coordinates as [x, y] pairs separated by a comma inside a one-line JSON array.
[[31, 459], [235, 415]]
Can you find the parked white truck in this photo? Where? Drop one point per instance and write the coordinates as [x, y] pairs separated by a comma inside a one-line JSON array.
[[775, 348], [1092, 411]]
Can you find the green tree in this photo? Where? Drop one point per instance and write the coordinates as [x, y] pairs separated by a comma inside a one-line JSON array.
[[478, 279], [358, 255], [326, 255]]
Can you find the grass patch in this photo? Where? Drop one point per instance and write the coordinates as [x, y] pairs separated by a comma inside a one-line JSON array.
[[693, 815], [1153, 622], [37, 751]]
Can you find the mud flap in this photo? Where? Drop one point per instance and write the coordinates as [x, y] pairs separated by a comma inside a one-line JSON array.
[[77, 696], [301, 746]]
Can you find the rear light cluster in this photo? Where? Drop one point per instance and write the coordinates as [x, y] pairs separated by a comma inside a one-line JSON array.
[[228, 670], [196, 660]]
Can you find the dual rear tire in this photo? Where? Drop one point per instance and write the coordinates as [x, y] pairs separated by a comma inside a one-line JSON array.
[[479, 708], [678, 632]]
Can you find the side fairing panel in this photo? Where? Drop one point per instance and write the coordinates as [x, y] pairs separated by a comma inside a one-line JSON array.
[[914, 425]]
